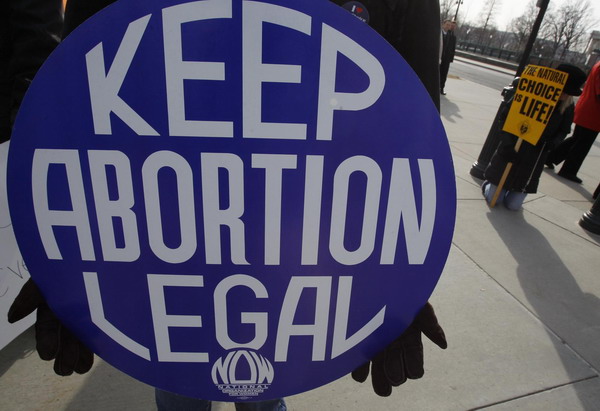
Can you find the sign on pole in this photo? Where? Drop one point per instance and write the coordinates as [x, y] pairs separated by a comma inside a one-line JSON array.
[[231, 200], [536, 96]]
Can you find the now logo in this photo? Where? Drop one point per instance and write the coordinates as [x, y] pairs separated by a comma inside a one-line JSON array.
[[242, 370]]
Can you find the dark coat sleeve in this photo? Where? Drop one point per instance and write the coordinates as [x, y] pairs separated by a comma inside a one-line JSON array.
[[29, 32], [78, 11], [419, 42], [450, 47], [563, 128], [413, 28]]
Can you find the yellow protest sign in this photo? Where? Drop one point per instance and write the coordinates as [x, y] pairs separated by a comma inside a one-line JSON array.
[[535, 98]]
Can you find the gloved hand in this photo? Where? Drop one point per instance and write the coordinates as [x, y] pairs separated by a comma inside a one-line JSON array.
[[403, 358], [53, 340]]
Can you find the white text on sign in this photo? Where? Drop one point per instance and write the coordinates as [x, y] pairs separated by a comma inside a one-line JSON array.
[[105, 85], [286, 329], [401, 206]]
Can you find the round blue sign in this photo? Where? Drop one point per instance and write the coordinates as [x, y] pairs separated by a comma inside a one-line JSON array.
[[231, 200]]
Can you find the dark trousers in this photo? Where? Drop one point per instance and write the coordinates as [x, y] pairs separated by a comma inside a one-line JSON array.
[[444, 67], [573, 150]]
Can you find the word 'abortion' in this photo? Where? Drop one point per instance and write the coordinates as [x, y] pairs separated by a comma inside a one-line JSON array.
[[223, 175]]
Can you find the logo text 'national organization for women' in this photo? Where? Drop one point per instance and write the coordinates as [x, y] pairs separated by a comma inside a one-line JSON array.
[[242, 374]]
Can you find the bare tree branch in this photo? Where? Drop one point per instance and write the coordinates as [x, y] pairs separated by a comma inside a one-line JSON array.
[[446, 9], [487, 16], [521, 26], [568, 26]]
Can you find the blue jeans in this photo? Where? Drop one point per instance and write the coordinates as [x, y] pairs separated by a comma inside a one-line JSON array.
[[168, 401], [513, 200]]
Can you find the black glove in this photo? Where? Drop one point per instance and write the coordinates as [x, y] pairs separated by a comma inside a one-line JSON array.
[[53, 340], [403, 358]]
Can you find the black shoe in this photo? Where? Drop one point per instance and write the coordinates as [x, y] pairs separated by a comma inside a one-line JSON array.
[[442, 92], [550, 165], [571, 177]]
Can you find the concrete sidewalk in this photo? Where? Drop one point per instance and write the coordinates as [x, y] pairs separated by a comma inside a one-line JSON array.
[[518, 301]]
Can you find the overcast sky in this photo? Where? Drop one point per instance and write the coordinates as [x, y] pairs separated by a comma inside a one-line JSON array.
[[510, 9]]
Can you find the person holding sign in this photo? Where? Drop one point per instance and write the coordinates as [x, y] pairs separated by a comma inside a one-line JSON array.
[[540, 105], [404, 24], [407, 25]]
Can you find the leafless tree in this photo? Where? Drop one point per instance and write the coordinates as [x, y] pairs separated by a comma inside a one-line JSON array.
[[568, 26], [488, 15], [521, 26], [448, 10], [466, 32]]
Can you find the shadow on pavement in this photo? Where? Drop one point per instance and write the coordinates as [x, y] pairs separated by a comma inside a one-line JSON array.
[[107, 388], [449, 110], [592, 237], [550, 288], [21, 347], [571, 184]]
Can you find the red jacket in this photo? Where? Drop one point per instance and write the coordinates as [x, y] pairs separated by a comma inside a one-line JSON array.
[[587, 111]]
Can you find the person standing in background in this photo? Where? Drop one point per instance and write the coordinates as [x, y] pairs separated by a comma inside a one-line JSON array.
[[448, 49], [587, 125], [528, 162]]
